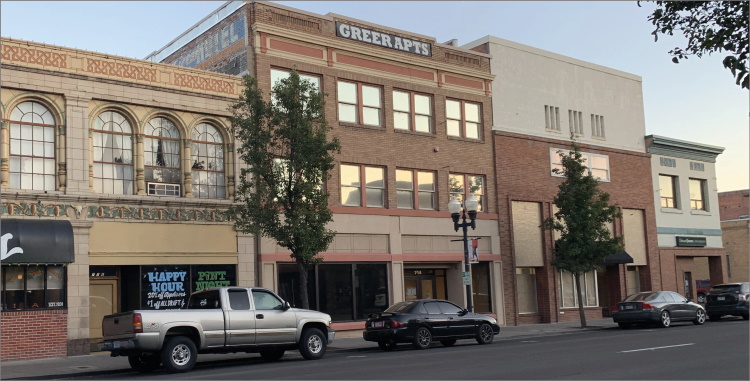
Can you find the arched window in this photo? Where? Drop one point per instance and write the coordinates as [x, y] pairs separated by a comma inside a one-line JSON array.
[[208, 162], [161, 150], [113, 154], [32, 147]]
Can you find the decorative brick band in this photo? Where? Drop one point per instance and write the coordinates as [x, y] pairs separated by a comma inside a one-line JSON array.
[[202, 83], [34, 56], [120, 70]]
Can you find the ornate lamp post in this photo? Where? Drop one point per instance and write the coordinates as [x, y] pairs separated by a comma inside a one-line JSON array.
[[470, 207]]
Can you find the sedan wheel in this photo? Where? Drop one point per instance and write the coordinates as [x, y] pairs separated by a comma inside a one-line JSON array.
[[665, 320], [700, 317], [423, 338], [701, 298], [485, 335]]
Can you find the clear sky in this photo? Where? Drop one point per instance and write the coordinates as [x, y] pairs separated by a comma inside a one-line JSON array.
[[695, 100]]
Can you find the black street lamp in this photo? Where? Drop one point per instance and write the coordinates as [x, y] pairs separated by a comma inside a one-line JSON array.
[[470, 207]]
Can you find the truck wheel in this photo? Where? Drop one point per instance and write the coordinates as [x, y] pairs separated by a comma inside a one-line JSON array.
[[144, 362], [178, 354], [312, 344], [272, 355]]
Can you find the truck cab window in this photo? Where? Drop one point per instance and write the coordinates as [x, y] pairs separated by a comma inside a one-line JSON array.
[[238, 299], [266, 301]]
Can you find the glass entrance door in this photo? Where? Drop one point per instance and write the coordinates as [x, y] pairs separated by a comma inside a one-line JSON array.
[[424, 284]]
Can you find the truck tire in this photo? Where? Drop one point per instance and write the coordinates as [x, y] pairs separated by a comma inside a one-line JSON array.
[[178, 354], [312, 344], [272, 354], [144, 362]]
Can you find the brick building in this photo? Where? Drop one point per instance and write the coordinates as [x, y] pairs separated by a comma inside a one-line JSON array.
[[540, 99], [734, 209], [101, 196], [414, 120]]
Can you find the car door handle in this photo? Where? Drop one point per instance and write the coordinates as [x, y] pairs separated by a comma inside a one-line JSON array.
[[259, 316]]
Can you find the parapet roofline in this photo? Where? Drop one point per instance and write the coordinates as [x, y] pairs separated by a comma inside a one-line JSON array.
[[546, 53], [683, 144]]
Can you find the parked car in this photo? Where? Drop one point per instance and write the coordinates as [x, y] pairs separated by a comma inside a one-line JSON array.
[[217, 320], [728, 299], [701, 287], [419, 322], [661, 307]]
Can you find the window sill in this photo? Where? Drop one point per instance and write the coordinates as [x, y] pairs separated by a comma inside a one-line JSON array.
[[468, 140], [362, 126], [553, 130], [416, 133], [672, 210], [599, 138], [700, 213]]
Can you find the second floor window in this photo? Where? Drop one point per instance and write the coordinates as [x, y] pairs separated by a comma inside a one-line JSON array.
[[32, 147], [668, 191], [356, 177], [412, 111], [208, 162], [360, 103], [161, 148], [113, 154], [419, 194], [461, 185], [463, 119], [697, 194], [598, 165]]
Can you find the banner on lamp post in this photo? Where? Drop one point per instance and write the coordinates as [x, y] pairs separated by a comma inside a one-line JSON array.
[[472, 246]]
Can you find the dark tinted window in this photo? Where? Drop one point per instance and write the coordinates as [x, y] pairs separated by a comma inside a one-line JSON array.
[[205, 300], [746, 288], [238, 300], [725, 288], [432, 308], [643, 296], [401, 307], [449, 308]]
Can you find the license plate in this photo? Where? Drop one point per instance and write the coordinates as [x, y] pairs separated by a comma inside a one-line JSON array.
[[116, 344], [719, 298], [628, 307], [377, 324]]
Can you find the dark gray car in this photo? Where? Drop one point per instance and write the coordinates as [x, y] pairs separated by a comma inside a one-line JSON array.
[[660, 307]]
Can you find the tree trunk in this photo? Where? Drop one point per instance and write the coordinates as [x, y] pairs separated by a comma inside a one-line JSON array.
[[580, 300], [303, 284]]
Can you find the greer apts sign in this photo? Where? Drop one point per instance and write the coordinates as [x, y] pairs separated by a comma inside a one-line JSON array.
[[387, 40], [691, 241]]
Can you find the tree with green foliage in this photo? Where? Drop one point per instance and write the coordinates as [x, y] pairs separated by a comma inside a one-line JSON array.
[[583, 212], [709, 26], [284, 142]]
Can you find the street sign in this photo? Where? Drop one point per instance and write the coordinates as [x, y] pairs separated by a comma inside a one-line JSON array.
[[467, 278]]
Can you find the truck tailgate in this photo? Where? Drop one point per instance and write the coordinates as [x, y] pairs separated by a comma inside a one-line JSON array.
[[118, 326]]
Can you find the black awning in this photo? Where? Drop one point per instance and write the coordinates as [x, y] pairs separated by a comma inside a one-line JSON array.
[[36, 241], [620, 258]]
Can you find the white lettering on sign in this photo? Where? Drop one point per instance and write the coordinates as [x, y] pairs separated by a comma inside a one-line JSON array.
[[383, 39], [4, 247]]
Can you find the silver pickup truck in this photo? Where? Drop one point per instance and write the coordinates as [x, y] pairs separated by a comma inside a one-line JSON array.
[[217, 320]]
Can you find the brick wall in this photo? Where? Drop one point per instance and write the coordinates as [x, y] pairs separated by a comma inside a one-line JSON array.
[[734, 204], [522, 165], [30, 335], [735, 236]]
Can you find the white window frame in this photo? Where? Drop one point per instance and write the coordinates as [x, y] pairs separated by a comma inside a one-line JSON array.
[[575, 294], [587, 161]]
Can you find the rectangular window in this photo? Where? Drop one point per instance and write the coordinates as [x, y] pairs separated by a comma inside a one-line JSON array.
[[598, 165], [360, 103], [463, 119], [552, 118], [588, 289], [412, 111], [481, 287], [697, 194], [352, 179], [668, 191], [526, 289], [279, 74], [597, 126], [633, 280], [575, 119], [425, 185], [33, 287], [457, 184]]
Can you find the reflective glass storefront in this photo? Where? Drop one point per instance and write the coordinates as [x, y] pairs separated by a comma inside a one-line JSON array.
[[346, 291]]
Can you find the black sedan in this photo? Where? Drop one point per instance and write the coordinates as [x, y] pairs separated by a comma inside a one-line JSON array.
[[660, 307], [421, 321]]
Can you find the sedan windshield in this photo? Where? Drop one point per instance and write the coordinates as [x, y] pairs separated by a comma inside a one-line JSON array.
[[643, 296], [400, 307], [725, 288]]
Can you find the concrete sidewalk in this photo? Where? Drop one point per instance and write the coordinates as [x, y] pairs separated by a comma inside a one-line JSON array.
[[101, 364]]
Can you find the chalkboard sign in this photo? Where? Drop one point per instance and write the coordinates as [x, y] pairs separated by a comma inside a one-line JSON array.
[[206, 276], [165, 287]]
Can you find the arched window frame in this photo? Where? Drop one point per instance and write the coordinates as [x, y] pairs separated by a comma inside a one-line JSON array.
[[207, 162], [115, 175], [163, 179], [32, 147]]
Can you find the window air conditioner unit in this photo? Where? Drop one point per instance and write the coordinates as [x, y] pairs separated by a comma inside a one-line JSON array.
[[161, 189]]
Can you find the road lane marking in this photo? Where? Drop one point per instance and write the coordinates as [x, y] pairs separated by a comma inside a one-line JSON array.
[[355, 357], [529, 341], [651, 349]]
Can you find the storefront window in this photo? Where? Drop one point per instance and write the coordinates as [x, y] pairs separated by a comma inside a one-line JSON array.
[[335, 287], [480, 280], [371, 282], [289, 286], [33, 287]]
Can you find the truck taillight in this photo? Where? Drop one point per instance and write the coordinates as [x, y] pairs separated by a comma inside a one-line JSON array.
[[137, 323]]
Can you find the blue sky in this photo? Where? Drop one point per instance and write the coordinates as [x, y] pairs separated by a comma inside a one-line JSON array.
[[695, 100]]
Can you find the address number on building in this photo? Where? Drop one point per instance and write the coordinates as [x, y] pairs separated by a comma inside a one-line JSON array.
[[467, 278]]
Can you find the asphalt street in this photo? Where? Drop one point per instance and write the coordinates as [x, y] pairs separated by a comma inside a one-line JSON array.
[[714, 351]]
